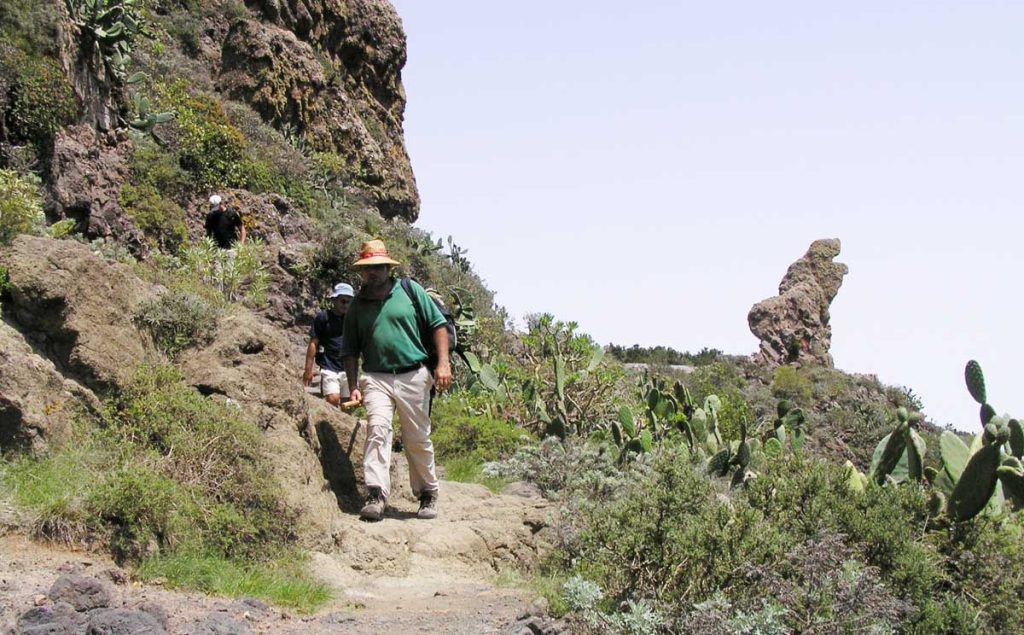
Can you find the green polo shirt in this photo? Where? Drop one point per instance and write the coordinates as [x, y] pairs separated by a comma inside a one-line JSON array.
[[385, 332]]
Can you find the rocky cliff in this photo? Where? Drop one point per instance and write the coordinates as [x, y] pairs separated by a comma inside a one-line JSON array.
[[324, 75]]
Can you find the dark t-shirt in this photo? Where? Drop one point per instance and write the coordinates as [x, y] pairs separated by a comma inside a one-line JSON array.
[[327, 328], [222, 226]]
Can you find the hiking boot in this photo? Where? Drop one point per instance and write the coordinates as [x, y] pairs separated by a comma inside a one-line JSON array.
[[375, 505], [428, 506]]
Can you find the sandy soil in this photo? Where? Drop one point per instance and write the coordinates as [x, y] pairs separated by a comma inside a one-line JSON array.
[[401, 575]]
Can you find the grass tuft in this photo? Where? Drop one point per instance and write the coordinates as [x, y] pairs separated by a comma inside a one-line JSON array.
[[283, 581]]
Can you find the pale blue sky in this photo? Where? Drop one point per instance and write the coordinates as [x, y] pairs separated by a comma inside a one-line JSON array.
[[651, 169]]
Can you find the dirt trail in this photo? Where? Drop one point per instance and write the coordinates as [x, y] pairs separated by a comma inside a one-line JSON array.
[[401, 575]]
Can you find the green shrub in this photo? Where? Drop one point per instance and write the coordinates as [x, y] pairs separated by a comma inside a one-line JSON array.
[[21, 206], [159, 217], [209, 147], [41, 100], [177, 320], [137, 506], [156, 167], [30, 26], [237, 274], [457, 434], [5, 283], [681, 543], [790, 383]]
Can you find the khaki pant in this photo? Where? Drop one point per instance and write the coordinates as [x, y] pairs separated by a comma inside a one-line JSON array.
[[410, 394]]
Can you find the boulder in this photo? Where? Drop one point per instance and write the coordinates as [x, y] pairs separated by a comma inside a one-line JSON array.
[[76, 308], [252, 364], [794, 326], [37, 403], [217, 624], [81, 592], [123, 622]]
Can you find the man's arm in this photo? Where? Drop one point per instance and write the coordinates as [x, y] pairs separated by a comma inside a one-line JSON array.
[[307, 374], [352, 376], [443, 372], [241, 231]]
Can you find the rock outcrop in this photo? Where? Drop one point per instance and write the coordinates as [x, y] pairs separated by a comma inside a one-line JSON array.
[[331, 72], [87, 171], [794, 326], [76, 308], [37, 403]]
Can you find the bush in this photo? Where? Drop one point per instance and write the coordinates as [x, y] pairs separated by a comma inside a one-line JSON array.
[[137, 507], [5, 283], [795, 548], [790, 383], [209, 148], [41, 100], [30, 26], [483, 438], [237, 274], [159, 217], [669, 539], [167, 470], [21, 206], [177, 320]]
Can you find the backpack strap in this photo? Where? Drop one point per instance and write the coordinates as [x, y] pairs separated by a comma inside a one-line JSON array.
[[420, 320]]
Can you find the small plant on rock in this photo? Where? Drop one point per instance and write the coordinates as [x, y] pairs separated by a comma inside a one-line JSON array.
[[21, 206]]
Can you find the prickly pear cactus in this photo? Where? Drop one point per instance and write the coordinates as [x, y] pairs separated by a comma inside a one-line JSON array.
[[976, 485], [975, 381]]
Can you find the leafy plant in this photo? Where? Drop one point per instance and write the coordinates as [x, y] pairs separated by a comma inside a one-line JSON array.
[[40, 100], [21, 206], [159, 217], [973, 478], [106, 32], [177, 320], [238, 274]]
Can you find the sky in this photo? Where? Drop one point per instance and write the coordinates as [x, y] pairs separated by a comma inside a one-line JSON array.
[[650, 170]]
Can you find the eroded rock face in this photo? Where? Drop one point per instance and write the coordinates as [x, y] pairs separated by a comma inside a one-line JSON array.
[[77, 308], [331, 71], [37, 403], [87, 172], [794, 326]]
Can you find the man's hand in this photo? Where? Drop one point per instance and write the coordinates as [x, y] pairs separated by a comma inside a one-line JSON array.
[[307, 378], [356, 396], [442, 376]]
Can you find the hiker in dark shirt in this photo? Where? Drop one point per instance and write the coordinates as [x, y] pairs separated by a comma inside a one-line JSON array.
[[224, 226], [325, 347]]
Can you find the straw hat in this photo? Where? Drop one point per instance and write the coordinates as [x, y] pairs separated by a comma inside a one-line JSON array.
[[374, 253]]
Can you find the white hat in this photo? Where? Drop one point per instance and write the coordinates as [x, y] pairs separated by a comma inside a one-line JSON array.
[[342, 289], [215, 199]]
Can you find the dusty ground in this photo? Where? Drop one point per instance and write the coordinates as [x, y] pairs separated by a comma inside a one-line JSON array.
[[402, 575]]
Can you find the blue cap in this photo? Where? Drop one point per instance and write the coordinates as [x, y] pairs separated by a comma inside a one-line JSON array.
[[342, 289]]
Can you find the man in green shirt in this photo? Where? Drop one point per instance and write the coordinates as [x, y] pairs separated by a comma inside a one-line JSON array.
[[382, 327]]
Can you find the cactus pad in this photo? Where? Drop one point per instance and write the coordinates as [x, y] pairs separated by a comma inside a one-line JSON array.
[[975, 381]]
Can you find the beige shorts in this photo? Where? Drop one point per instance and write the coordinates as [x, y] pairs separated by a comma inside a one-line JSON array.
[[332, 383]]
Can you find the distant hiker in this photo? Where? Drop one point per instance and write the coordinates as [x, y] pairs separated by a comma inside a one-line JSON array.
[[383, 327], [325, 346], [224, 226]]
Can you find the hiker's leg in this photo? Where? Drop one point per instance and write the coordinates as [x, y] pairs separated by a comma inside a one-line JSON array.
[[377, 399], [412, 397], [332, 385]]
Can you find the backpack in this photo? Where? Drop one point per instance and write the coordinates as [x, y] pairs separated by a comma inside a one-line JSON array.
[[426, 335]]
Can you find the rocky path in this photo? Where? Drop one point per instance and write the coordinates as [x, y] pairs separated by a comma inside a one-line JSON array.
[[402, 575]]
